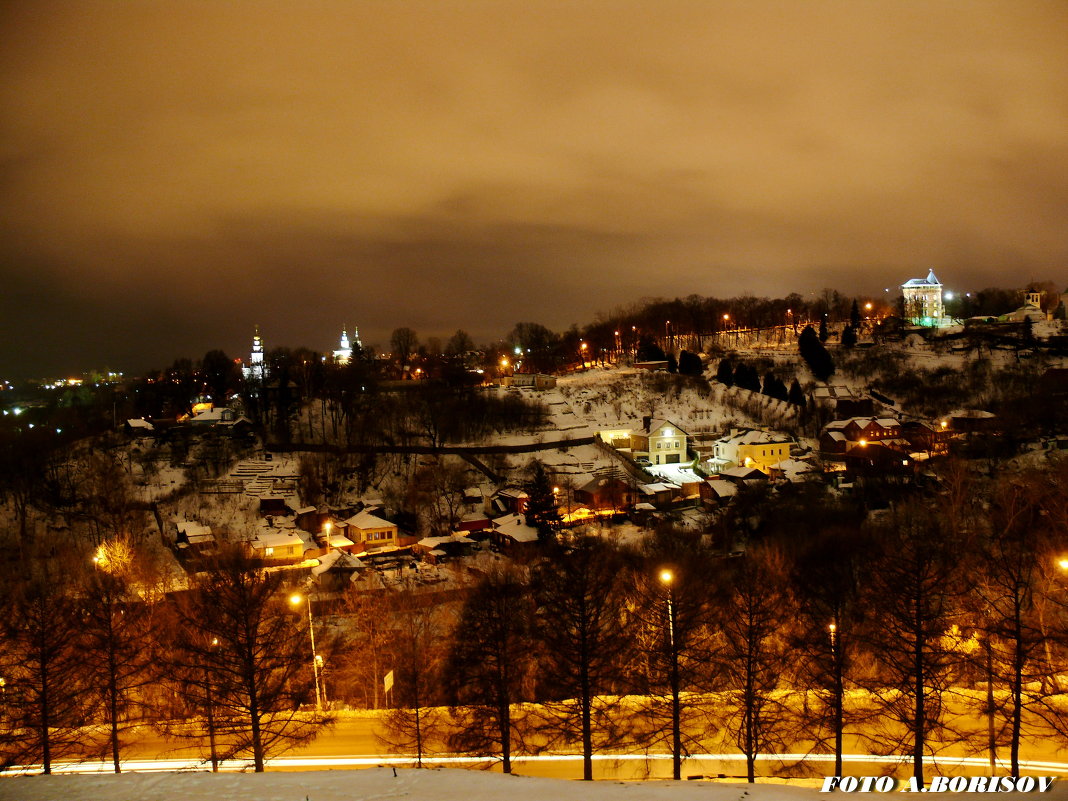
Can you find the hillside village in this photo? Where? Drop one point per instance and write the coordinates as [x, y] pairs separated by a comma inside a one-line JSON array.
[[625, 445]]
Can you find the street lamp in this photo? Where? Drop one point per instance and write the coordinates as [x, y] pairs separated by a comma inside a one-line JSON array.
[[295, 599], [209, 701], [836, 666], [667, 578]]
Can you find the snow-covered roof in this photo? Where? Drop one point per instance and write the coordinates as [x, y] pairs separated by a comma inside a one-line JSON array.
[[512, 492], [336, 559], [657, 423], [972, 414], [339, 540], [367, 519], [743, 473], [515, 526], [434, 542], [723, 489], [137, 422], [660, 486], [930, 280], [794, 468], [276, 538], [755, 437]]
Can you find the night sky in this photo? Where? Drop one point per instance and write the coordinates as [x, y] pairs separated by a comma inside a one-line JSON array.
[[174, 172]]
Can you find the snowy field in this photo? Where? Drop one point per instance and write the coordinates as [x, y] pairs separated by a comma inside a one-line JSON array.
[[416, 785]]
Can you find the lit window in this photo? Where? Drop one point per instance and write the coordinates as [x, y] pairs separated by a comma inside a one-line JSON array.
[[268, 552]]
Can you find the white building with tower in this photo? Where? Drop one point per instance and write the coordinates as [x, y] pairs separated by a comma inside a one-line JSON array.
[[256, 369], [343, 355], [923, 300]]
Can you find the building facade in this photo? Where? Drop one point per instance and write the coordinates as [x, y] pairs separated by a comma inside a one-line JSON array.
[[923, 300]]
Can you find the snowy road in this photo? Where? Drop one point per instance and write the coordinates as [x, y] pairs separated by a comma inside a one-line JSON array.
[[609, 766]]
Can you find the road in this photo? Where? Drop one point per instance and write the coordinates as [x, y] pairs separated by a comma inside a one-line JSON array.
[[352, 744]]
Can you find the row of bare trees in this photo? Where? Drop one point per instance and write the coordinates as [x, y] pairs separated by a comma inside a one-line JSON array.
[[899, 638], [90, 655]]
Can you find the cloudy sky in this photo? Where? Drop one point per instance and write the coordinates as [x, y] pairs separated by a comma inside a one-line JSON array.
[[174, 172]]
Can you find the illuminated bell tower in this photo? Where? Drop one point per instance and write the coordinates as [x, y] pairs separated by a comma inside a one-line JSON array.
[[257, 368], [343, 355]]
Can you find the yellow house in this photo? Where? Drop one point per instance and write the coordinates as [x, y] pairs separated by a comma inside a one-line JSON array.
[[278, 544], [371, 530], [761, 450], [661, 441]]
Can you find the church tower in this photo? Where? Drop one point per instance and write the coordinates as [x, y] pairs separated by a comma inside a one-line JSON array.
[[343, 355], [257, 368]]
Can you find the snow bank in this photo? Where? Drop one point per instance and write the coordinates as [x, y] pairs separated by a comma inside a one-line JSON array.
[[378, 783]]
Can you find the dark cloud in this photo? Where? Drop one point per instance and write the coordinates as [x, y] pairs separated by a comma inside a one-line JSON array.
[[173, 172]]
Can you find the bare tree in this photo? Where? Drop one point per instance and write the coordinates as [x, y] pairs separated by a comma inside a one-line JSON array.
[[491, 664], [403, 342], [914, 600], [119, 648], [580, 629], [44, 693], [753, 655], [671, 610], [827, 576], [236, 624], [415, 721]]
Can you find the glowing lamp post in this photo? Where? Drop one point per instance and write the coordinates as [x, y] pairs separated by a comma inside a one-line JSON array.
[[667, 578], [296, 599], [836, 667]]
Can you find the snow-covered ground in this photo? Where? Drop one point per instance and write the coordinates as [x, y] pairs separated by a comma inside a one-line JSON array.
[[417, 785]]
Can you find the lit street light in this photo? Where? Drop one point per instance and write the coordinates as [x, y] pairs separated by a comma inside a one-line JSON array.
[[295, 599], [836, 667], [667, 578]]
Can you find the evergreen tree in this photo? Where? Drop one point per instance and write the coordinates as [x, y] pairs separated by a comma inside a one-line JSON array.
[[725, 372], [769, 385], [854, 315], [649, 351], [1027, 333], [690, 363], [796, 396], [673, 364], [541, 512], [817, 358], [746, 377], [849, 337], [824, 333]]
